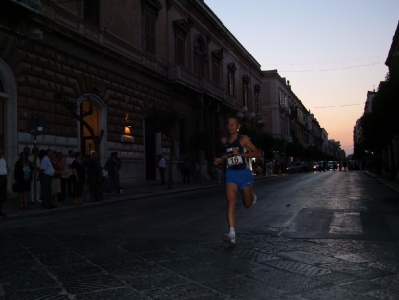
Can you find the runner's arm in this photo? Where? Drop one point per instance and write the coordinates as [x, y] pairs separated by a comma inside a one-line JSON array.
[[252, 151]]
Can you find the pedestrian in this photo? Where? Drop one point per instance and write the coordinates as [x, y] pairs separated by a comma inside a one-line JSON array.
[[197, 171], [111, 165], [161, 167], [186, 170], [4, 170], [118, 162], [46, 175], [30, 158], [268, 169], [56, 181], [36, 183], [22, 176], [78, 179], [94, 170], [239, 149], [69, 183], [64, 176]]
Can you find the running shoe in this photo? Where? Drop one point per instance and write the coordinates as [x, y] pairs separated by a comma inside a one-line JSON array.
[[229, 239], [255, 198]]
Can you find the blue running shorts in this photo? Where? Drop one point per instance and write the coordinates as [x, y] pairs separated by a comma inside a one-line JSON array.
[[241, 178]]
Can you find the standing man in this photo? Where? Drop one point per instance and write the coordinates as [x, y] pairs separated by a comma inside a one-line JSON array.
[[69, 182], [94, 169], [4, 170], [162, 167], [36, 184], [30, 159], [113, 174], [46, 174], [238, 175]]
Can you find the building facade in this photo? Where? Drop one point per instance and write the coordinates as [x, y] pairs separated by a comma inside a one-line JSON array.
[[88, 71]]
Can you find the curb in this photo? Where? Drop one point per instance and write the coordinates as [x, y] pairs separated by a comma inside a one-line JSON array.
[[389, 183], [117, 199]]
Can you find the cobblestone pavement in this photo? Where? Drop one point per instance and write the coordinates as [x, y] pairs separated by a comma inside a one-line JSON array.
[[36, 263]]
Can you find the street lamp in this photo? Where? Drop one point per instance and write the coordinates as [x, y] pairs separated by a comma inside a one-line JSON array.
[[242, 114]]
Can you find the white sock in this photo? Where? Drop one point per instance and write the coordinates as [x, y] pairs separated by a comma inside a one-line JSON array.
[[232, 232]]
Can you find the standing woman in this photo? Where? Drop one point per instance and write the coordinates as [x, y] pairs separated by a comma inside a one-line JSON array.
[[78, 178], [238, 175], [56, 181], [4, 170], [23, 176]]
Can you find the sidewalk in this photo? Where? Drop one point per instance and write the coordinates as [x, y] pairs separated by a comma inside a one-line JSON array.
[[137, 191], [394, 185]]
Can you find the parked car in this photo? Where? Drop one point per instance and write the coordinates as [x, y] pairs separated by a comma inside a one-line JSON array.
[[297, 167], [320, 166], [332, 165]]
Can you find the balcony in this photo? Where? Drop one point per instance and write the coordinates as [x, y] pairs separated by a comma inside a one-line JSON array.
[[33, 5], [199, 84]]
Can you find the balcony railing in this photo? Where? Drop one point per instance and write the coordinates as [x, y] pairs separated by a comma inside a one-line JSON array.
[[33, 5], [200, 84]]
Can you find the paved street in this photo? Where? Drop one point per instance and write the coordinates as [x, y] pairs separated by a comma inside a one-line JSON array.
[[329, 235]]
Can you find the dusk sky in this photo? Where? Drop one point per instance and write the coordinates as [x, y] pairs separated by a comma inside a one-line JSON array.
[[331, 51]]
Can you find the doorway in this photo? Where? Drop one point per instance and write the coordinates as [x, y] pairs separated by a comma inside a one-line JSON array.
[[86, 139]]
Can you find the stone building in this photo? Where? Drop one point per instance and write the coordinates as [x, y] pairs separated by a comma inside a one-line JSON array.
[[108, 63], [88, 71]]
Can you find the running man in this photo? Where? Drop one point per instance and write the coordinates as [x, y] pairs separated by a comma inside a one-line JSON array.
[[239, 149]]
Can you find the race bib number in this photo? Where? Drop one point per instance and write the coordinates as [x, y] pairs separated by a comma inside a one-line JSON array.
[[234, 160]]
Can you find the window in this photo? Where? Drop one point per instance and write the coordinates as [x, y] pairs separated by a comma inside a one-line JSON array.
[[150, 14], [199, 54], [245, 93], [149, 33], [91, 11], [180, 51], [257, 101], [231, 70], [181, 30], [217, 57]]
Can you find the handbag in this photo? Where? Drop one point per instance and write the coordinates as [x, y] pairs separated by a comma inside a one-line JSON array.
[[15, 187]]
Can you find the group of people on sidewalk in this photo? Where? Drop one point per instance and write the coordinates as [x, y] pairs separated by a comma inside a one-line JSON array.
[[49, 177]]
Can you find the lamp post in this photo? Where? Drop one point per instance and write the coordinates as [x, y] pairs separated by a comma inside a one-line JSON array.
[[242, 115]]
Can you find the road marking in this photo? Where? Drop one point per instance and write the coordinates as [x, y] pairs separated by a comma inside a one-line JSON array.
[[346, 223]]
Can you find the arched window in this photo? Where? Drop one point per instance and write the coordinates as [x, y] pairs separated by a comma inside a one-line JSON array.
[[182, 136]]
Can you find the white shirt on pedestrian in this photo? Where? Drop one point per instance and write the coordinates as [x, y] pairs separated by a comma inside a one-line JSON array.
[[46, 166], [162, 163]]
